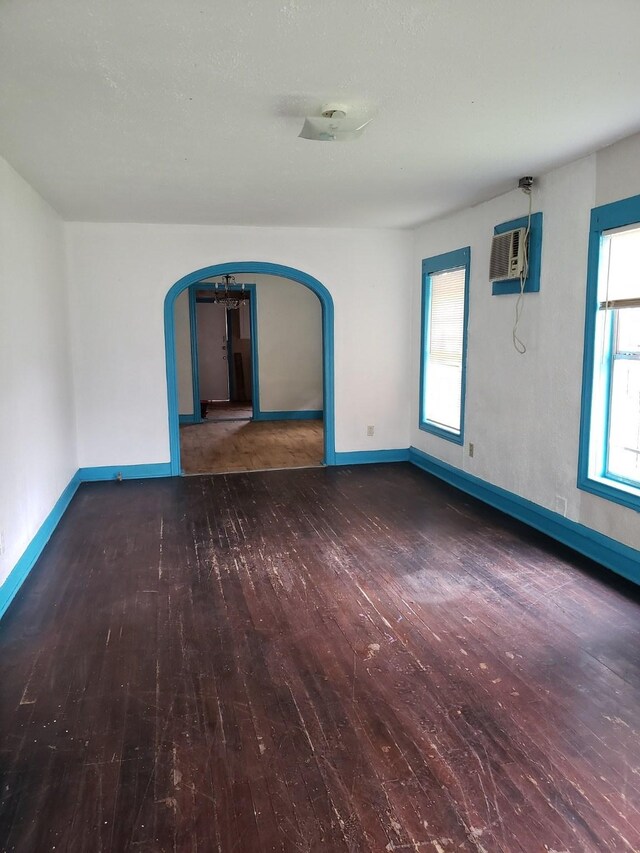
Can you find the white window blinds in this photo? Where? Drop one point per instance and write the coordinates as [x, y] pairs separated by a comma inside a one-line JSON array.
[[447, 316], [620, 279]]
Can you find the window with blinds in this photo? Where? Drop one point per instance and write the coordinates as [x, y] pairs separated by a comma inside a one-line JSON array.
[[609, 453], [619, 321], [444, 308]]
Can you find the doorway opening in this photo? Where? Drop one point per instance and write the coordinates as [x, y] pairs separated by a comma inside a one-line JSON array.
[[229, 408], [223, 351]]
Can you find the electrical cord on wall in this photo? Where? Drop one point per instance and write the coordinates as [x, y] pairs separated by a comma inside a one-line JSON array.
[[518, 344]]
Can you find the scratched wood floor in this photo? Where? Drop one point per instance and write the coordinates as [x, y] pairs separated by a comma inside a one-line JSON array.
[[349, 659]]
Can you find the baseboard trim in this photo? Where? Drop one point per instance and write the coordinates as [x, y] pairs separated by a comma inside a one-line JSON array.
[[366, 457], [125, 472], [610, 553], [188, 419], [18, 574], [302, 415]]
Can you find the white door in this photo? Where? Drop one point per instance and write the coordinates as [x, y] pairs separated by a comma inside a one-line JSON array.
[[212, 351]]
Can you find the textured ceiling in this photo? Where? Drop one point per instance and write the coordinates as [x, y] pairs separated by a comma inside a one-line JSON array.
[[183, 111]]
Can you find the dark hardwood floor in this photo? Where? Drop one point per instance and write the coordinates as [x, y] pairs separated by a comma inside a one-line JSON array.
[[353, 659]]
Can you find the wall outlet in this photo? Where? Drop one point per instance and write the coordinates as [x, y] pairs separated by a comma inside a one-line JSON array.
[[471, 448], [1, 542], [371, 430], [561, 505]]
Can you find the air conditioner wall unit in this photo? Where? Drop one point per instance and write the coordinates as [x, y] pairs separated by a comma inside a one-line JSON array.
[[508, 255]]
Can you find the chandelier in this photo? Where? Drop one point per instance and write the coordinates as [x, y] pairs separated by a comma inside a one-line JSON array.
[[223, 295]]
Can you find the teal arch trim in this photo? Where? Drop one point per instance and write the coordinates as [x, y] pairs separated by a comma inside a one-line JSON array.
[[255, 268]]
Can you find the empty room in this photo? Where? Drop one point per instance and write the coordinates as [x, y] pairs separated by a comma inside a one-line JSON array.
[[319, 426]]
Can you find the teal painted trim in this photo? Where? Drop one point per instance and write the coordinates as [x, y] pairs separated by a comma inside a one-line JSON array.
[[608, 552], [301, 415], [532, 281], [617, 214], [593, 435], [242, 268], [367, 457], [189, 419], [588, 372], [33, 550], [128, 472], [612, 490], [441, 263], [195, 363]]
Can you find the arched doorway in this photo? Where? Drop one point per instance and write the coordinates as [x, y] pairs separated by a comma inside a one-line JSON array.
[[241, 268]]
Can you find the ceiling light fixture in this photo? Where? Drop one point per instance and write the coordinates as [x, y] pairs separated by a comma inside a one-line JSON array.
[[332, 125], [224, 296]]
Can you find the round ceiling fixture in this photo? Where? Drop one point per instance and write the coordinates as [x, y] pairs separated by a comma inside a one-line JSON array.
[[332, 125]]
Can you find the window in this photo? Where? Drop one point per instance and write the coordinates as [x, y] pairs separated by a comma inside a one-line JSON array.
[[445, 298], [610, 435]]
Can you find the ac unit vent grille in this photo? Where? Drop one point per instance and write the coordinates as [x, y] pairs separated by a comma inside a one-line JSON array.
[[500, 252], [508, 255]]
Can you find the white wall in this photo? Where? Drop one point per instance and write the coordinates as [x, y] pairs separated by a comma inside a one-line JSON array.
[[289, 345], [617, 173], [523, 412], [183, 353], [120, 273], [37, 424]]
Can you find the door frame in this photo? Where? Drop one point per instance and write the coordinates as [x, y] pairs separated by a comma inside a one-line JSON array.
[[195, 366], [255, 268]]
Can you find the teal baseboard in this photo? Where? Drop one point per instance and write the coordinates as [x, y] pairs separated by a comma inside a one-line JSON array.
[[608, 552], [125, 472], [188, 419], [33, 550], [302, 415], [367, 457]]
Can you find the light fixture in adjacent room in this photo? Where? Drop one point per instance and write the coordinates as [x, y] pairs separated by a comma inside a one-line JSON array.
[[222, 295]]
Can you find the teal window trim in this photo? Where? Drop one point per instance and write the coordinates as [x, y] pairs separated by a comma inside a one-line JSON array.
[[441, 263], [532, 281], [594, 416]]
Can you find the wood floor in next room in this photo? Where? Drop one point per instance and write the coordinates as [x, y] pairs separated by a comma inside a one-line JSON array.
[[242, 445], [347, 659], [229, 411]]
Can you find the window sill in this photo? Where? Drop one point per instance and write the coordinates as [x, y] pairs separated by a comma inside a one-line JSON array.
[[441, 432], [611, 490]]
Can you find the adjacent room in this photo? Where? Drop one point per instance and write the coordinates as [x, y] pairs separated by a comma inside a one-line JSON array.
[[320, 426], [249, 370]]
